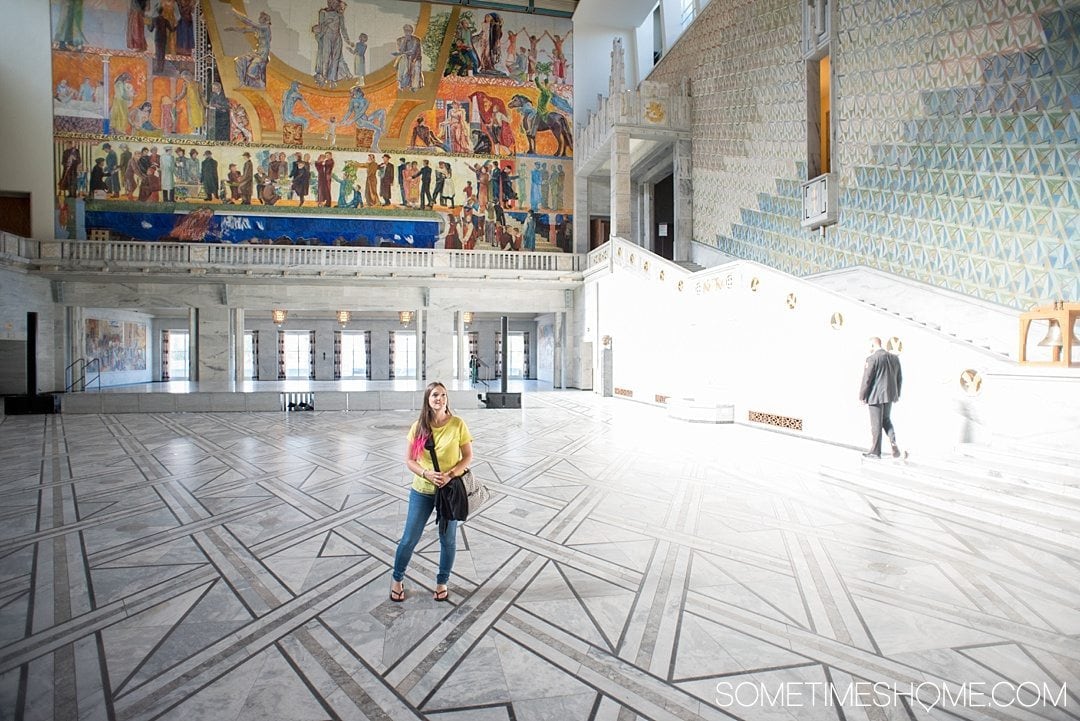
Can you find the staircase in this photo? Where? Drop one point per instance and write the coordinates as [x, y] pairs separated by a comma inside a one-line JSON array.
[[983, 324]]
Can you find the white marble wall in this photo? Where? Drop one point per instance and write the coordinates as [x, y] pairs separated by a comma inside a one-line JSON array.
[[621, 198], [21, 294], [440, 344], [214, 347]]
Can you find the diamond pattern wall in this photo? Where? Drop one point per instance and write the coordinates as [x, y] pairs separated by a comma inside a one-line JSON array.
[[957, 141]]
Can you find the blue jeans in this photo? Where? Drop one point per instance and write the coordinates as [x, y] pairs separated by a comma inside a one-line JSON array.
[[420, 507]]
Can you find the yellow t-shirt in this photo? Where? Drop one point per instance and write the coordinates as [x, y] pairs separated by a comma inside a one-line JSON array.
[[448, 442]]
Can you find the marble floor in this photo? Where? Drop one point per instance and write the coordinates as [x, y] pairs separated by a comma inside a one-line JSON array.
[[235, 566]]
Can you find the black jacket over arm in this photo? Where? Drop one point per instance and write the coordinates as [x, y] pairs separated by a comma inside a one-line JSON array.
[[451, 503]]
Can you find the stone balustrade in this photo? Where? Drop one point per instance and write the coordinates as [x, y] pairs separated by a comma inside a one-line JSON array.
[[112, 255], [653, 106]]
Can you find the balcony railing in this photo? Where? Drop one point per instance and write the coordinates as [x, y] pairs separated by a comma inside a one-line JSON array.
[[654, 106], [112, 255]]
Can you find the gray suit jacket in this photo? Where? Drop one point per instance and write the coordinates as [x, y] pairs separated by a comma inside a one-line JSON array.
[[881, 378]]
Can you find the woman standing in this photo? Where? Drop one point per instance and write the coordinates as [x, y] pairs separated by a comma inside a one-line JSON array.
[[453, 447]]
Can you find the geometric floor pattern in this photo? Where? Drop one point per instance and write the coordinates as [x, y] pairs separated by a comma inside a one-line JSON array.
[[236, 566]]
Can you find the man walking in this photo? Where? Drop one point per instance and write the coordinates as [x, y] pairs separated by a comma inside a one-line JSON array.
[[880, 389]]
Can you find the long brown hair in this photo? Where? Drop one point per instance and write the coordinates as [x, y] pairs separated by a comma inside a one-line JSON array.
[[426, 421]]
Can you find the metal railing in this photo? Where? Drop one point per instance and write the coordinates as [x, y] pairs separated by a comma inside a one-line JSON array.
[[83, 379]]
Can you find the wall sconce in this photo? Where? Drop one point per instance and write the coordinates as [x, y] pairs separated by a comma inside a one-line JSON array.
[[467, 317], [405, 317], [343, 317], [278, 315]]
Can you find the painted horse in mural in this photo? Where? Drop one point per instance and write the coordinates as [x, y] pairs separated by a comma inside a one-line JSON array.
[[533, 123]]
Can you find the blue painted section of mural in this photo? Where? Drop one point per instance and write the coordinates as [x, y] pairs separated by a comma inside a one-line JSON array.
[[235, 228]]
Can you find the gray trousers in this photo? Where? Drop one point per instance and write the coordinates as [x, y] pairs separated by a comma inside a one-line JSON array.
[[880, 421]]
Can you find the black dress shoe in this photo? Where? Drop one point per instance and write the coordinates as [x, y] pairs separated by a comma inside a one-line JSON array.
[[871, 455]]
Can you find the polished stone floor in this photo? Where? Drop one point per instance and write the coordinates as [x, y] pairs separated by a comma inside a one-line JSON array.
[[235, 566]]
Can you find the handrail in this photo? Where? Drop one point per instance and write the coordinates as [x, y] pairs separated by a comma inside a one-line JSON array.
[[87, 366]]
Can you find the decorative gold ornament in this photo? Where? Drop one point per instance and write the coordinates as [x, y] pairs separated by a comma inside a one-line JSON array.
[[343, 317], [894, 345], [405, 317], [654, 112], [754, 283], [791, 301], [661, 275], [837, 321], [645, 267], [467, 317], [971, 382], [278, 315], [680, 286]]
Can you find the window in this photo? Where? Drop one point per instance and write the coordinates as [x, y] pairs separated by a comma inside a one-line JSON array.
[[354, 354], [297, 354], [404, 356], [517, 355], [818, 82], [178, 355], [688, 11], [658, 35], [250, 354]]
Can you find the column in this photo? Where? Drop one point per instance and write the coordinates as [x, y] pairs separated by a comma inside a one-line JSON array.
[[648, 197], [635, 213], [238, 344], [421, 350], [76, 349], [581, 214], [620, 184], [193, 344], [439, 353], [684, 200], [462, 347], [558, 372], [213, 363], [324, 350]]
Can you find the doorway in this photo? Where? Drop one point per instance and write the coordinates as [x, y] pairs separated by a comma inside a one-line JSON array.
[[599, 231], [663, 229]]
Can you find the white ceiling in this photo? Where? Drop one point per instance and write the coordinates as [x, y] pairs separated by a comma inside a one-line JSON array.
[[613, 13]]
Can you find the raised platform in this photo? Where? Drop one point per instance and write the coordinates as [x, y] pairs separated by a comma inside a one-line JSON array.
[[273, 396]]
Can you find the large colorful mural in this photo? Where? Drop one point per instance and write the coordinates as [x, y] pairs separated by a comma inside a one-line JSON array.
[[382, 122]]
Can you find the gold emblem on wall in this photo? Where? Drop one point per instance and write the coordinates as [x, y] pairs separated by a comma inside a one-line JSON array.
[[654, 112], [791, 301], [971, 382], [837, 321], [894, 345], [754, 283]]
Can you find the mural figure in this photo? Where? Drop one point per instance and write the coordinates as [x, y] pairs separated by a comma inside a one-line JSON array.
[[552, 122], [491, 34], [423, 136], [289, 101], [123, 95], [360, 61], [136, 25], [463, 59], [162, 30], [69, 33], [192, 96], [457, 126], [70, 162], [185, 27], [558, 57], [357, 114], [407, 59], [251, 67], [331, 37], [209, 176]]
